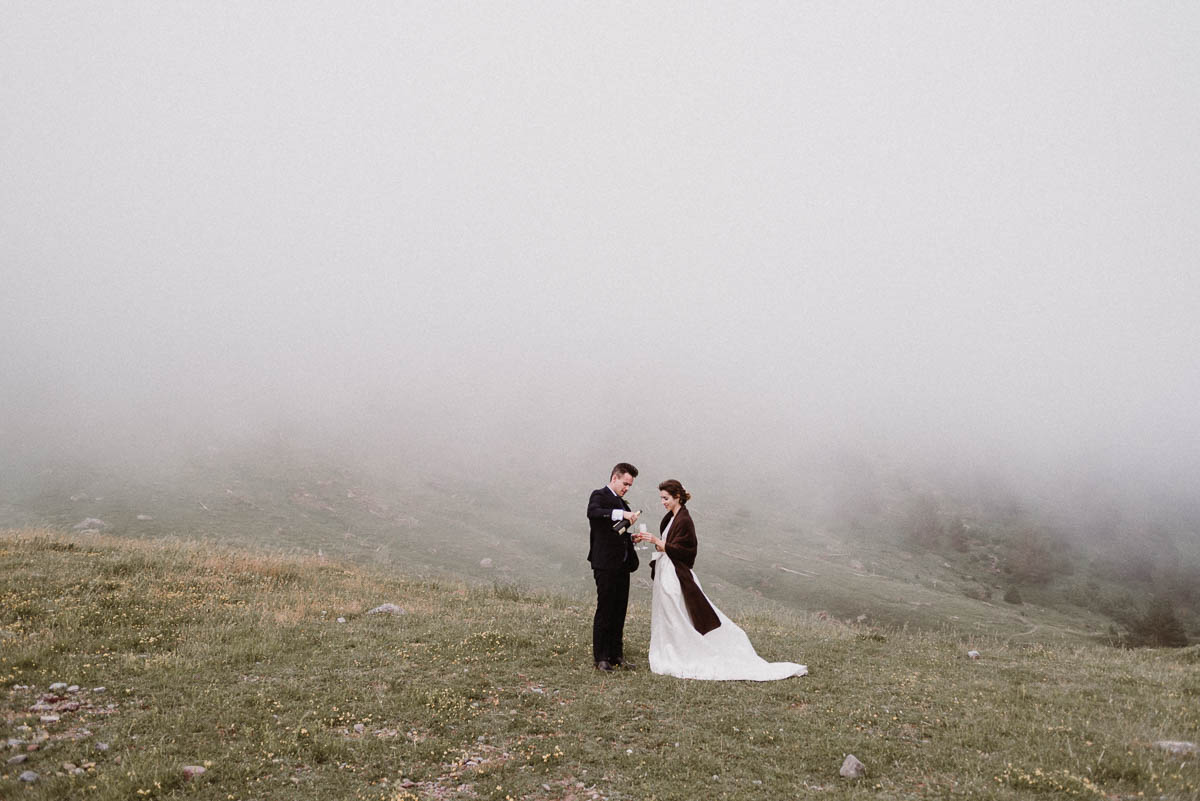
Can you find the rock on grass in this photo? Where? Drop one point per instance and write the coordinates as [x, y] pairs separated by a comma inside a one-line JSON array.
[[387, 609], [852, 768]]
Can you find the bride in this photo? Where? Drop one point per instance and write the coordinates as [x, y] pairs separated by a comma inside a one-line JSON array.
[[689, 637]]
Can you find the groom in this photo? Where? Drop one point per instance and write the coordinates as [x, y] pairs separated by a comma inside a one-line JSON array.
[[613, 559]]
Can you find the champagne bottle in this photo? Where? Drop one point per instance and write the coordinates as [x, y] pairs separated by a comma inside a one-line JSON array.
[[622, 525]]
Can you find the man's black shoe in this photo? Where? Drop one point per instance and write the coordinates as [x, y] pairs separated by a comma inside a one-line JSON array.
[[603, 665]]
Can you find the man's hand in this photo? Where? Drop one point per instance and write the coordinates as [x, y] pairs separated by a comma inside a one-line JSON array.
[[632, 516]]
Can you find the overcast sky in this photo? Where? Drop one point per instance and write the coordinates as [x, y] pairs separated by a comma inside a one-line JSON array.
[[644, 228]]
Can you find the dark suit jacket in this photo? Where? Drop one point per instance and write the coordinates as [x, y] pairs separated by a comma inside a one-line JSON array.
[[609, 550], [681, 547]]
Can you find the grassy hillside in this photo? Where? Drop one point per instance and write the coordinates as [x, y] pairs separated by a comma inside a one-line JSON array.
[[289, 500], [234, 660]]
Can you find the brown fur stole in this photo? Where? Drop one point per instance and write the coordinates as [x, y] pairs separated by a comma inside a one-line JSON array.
[[681, 547]]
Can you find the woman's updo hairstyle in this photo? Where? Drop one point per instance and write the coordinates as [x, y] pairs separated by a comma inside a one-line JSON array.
[[675, 490]]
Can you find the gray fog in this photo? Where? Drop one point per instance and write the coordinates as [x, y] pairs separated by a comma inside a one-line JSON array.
[[713, 239]]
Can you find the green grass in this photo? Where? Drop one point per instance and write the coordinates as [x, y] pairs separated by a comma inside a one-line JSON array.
[[234, 660]]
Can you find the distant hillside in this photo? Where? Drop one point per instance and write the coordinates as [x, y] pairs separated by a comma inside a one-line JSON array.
[[877, 547]]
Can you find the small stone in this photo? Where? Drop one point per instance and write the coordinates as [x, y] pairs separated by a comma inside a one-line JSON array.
[[13, 742], [341, 620], [29, 776], [18, 759], [99, 689], [1178, 746], [49, 718], [68, 767], [387, 609], [485, 562], [973, 654], [74, 688], [58, 686], [359, 728], [192, 771], [90, 523], [852, 768], [101, 746], [144, 517]]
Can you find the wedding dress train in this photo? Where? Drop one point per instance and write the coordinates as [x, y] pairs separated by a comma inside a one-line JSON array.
[[723, 654]]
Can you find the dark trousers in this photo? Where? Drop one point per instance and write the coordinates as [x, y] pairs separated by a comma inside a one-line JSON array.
[[608, 627]]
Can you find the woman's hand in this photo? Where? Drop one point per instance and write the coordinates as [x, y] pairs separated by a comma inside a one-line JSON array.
[[650, 538]]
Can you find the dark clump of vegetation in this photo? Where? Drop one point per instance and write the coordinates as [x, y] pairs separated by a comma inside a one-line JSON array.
[[1159, 626], [1035, 556], [1013, 596], [921, 525]]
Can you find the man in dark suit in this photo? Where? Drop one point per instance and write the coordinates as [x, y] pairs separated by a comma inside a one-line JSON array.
[[613, 559]]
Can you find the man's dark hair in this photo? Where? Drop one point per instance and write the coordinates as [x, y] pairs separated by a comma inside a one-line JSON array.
[[621, 469]]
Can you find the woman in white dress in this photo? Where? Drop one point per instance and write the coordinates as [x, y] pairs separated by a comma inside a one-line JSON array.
[[689, 637]]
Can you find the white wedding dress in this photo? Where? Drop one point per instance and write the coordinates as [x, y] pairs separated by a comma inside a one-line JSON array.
[[677, 649]]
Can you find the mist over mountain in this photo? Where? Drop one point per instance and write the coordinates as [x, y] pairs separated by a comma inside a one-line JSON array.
[[836, 269]]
